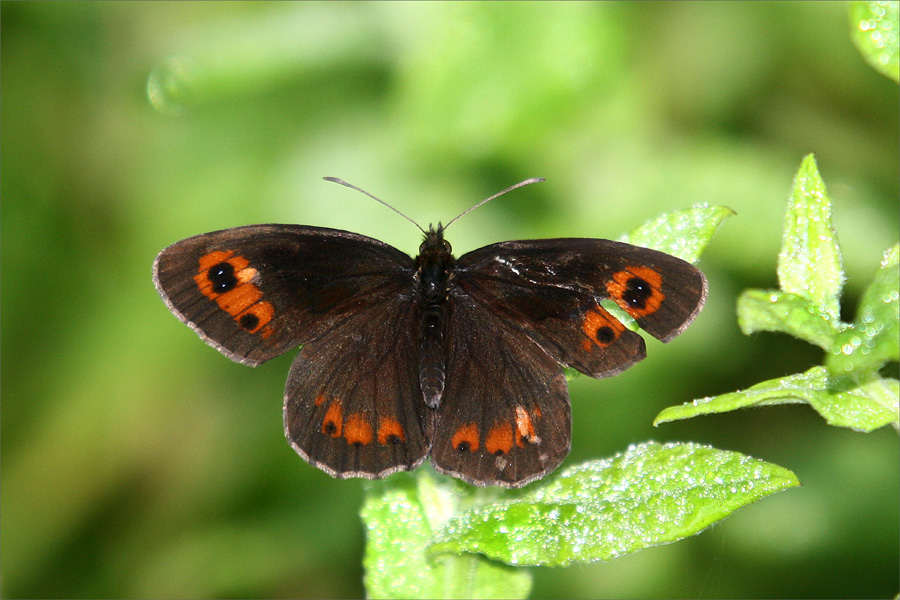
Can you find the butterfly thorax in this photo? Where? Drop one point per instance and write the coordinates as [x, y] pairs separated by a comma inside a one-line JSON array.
[[434, 265], [434, 268]]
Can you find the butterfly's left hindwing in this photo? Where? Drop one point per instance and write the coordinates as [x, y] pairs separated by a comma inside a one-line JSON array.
[[352, 406]]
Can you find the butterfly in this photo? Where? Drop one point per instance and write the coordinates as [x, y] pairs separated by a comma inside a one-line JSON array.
[[460, 359]]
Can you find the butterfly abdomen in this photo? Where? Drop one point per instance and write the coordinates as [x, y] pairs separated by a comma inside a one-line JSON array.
[[434, 268], [431, 357]]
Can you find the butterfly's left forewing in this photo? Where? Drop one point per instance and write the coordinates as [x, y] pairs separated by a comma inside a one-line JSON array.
[[255, 292]]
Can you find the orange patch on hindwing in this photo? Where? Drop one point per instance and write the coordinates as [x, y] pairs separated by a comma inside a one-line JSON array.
[[390, 431], [499, 439], [229, 281], [357, 430], [333, 423], [601, 328], [638, 290], [465, 438]]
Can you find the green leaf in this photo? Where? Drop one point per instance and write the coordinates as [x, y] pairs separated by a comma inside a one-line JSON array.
[[842, 402], [875, 27], [400, 514], [874, 338], [760, 310], [653, 494], [684, 233], [809, 264]]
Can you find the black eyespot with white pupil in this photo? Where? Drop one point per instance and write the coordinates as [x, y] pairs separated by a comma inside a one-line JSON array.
[[222, 278], [637, 291]]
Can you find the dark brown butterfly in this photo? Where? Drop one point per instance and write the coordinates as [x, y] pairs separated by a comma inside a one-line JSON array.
[[402, 358]]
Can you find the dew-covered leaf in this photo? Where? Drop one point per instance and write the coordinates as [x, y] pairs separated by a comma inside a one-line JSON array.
[[683, 233], [876, 32], [841, 401], [809, 264], [772, 310], [652, 494], [873, 339], [400, 515]]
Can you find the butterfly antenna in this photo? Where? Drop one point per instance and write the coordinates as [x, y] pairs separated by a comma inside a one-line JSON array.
[[497, 195], [362, 191]]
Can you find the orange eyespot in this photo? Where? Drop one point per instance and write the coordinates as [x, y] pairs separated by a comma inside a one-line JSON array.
[[601, 328], [228, 280], [466, 438], [638, 290]]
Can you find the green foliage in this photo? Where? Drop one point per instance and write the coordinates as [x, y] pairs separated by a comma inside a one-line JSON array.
[[774, 310], [876, 32], [650, 495], [684, 233], [809, 264], [872, 339], [430, 536], [863, 407], [848, 391], [402, 515]]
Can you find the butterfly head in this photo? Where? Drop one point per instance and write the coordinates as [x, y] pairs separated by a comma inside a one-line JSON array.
[[434, 243]]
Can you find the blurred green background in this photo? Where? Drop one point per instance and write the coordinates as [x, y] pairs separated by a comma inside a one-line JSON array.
[[138, 462]]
